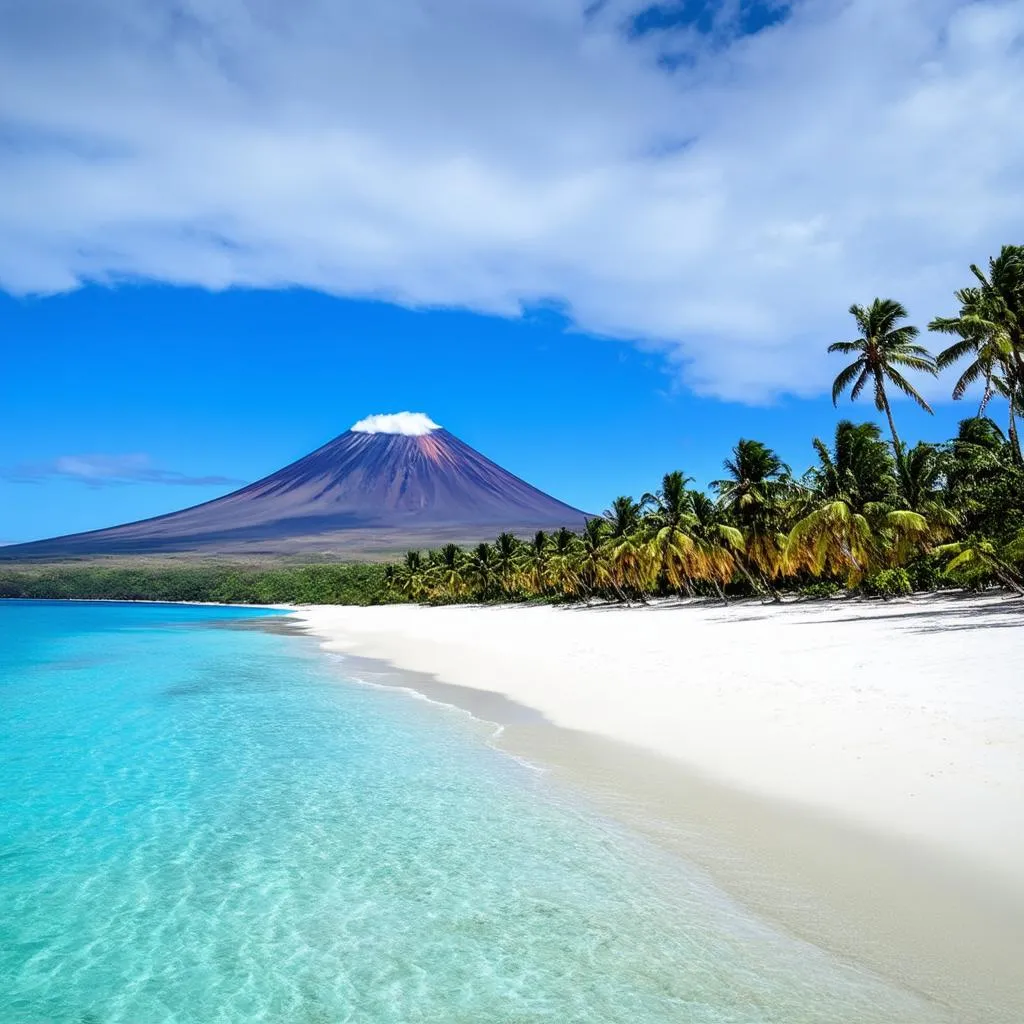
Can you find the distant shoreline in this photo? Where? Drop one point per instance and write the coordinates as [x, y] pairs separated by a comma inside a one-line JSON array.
[[831, 764]]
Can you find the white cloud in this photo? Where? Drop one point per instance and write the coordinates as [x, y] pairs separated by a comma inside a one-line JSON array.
[[411, 424], [107, 470], [493, 153]]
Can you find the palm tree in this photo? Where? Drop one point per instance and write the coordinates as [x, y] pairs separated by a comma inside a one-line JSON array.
[[883, 346], [595, 570], [719, 545], [669, 521], [628, 554], [480, 571], [983, 346], [756, 479], [854, 525], [563, 566], [537, 556], [990, 326], [407, 577], [976, 560], [446, 573], [756, 493], [507, 558], [922, 488]]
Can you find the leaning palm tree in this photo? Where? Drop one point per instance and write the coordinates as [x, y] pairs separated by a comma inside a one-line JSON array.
[[990, 326], [981, 342], [976, 560], [884, 344]]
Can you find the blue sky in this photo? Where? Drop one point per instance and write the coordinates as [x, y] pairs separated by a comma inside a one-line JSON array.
[[597, 241], [236, 384]]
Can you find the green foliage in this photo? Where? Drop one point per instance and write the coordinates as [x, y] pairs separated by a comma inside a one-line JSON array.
[[822, 589], [888, 583], [229, 584], [925, 573]]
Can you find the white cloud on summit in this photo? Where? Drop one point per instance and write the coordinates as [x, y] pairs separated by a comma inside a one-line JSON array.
[[493, 153], [412, 424]]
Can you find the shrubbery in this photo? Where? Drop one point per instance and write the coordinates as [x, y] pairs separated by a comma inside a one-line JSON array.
[[232, 584], [888, 583], [822, 589]]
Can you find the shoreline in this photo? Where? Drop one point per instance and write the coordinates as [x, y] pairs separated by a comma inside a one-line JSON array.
[[914, 903]]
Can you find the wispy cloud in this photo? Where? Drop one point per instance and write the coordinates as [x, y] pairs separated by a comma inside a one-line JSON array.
[[107, 471], [716, 190]]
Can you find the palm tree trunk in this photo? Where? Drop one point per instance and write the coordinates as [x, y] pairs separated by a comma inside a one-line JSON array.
[[1015, 449], [897, 444]]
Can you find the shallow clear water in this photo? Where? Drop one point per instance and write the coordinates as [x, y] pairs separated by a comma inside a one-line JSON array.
[[210, 824]]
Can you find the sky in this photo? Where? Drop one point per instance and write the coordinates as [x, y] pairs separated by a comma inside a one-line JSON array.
[[597, 241]]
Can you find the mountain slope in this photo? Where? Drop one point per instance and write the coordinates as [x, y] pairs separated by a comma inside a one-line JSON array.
[[387, 482]]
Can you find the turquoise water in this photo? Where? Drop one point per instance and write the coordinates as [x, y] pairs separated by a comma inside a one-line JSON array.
[[210, 824]]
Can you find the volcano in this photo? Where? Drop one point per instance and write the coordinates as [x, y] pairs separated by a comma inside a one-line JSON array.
[[389, 482]]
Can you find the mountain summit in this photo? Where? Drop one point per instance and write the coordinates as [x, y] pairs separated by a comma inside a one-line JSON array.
[[388, 482]]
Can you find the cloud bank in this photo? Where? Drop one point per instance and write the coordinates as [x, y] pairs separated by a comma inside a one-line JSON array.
[[696, 185], [108, 470]]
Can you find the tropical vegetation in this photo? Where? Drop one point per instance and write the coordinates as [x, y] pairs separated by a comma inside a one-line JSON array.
[[220, 582], [871, 514]]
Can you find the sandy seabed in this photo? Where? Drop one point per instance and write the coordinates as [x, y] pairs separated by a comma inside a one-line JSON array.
[[854, 770]]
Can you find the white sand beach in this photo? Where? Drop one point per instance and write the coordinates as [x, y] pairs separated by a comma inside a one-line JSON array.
[[902, 721]]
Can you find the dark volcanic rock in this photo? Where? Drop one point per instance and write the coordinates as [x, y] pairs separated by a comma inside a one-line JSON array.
[[360, 491]]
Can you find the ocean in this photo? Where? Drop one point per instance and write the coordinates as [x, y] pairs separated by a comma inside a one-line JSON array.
[[204, 820]]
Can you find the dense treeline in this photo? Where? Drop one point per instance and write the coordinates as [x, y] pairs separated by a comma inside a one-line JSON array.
[[870, 514], [232, 584]]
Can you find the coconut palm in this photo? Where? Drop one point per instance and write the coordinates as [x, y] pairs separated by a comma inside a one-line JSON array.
[[757, 492], [629, 555], [884, 344], [481, 571], [407, 578], [718, 544], [508, 551], [672, 548], [757, 480], [922, 489], [990, 326], [563, 563], [447, 581], [537, 555], [981, 343], [595, 573], [976, 561], [854, 525]]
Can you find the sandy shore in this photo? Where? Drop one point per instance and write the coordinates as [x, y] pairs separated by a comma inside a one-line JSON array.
[[863, 757]]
